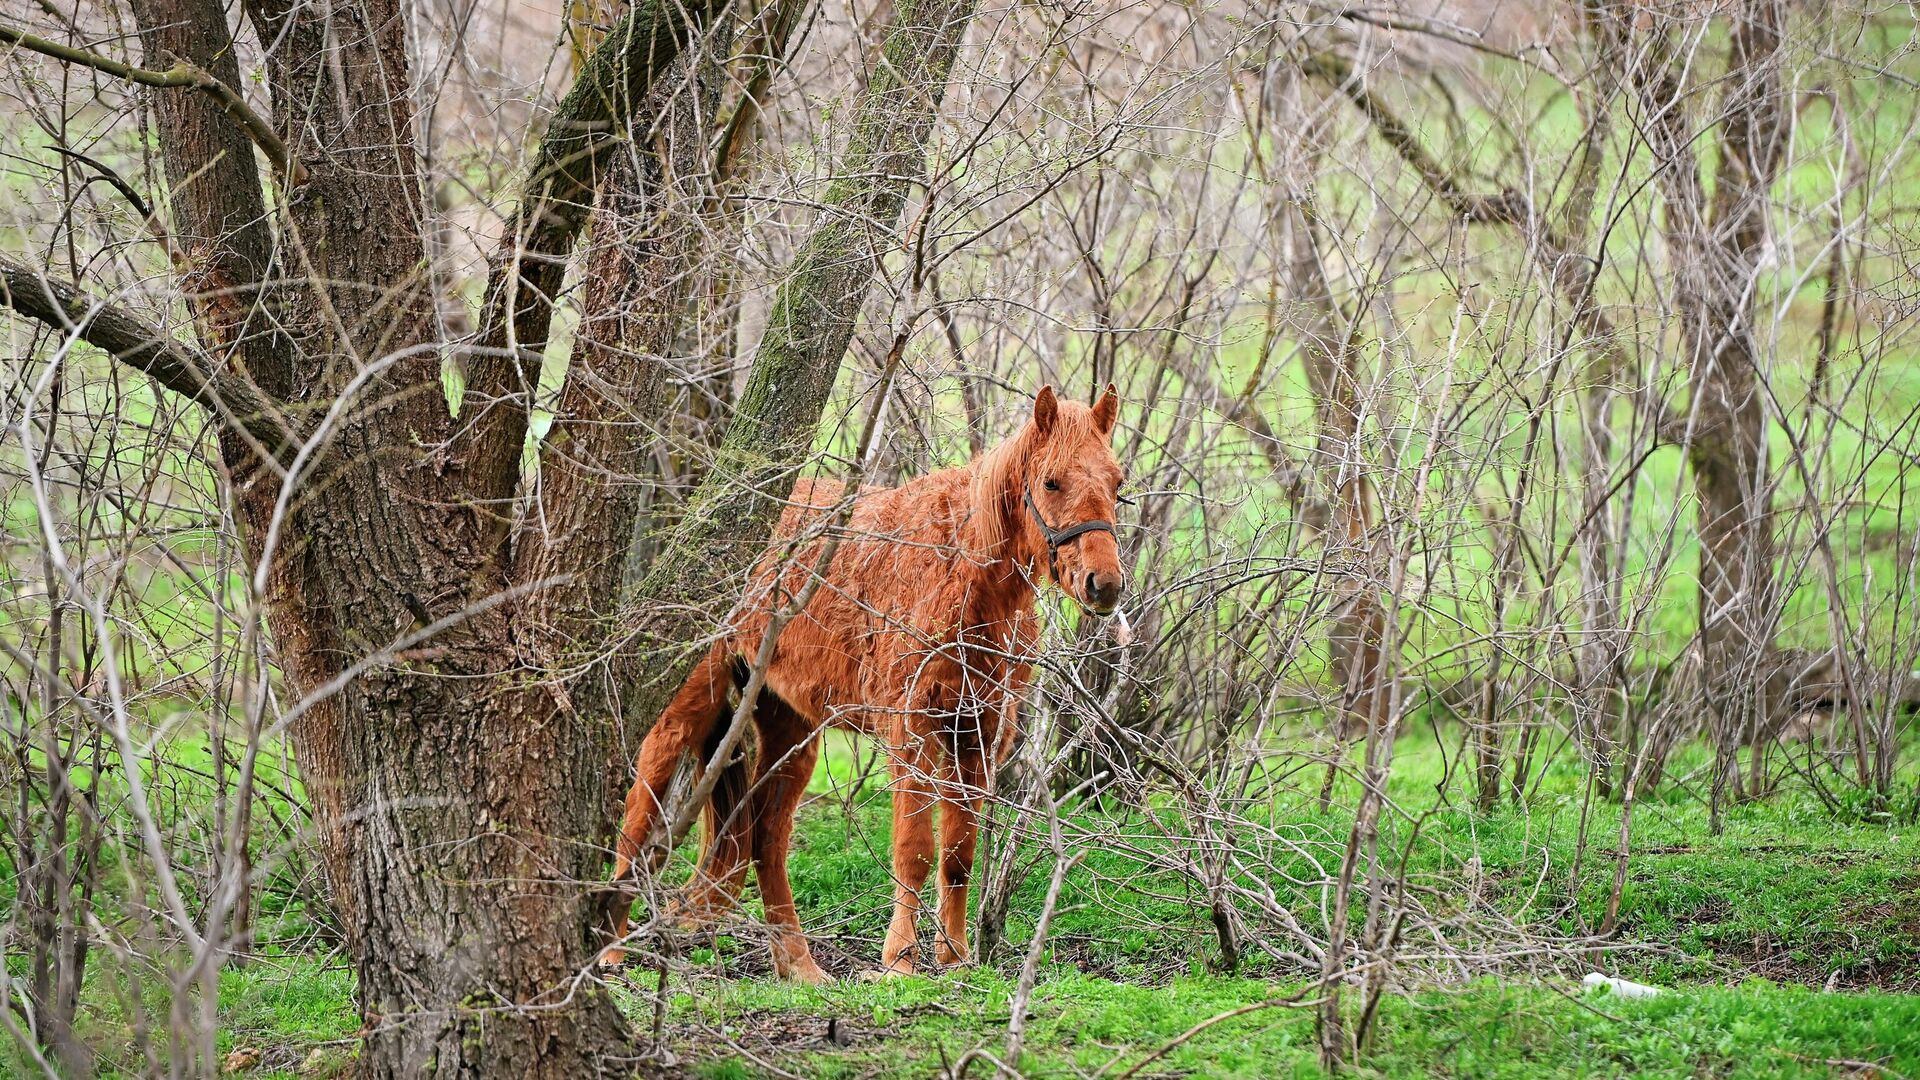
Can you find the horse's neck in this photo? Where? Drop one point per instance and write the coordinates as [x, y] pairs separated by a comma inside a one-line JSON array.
[[1005, 573]]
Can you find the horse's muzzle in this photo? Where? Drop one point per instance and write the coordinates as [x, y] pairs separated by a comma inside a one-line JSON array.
[[1101, 591]]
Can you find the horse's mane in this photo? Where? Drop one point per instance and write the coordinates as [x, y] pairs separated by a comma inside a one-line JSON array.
[[998, 475]]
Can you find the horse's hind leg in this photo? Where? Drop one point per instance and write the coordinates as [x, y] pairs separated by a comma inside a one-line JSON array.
[[789, 746], [684, 726], [961, 797]]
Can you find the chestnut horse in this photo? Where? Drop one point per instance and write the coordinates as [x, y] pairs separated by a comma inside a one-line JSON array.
[[920, 637]]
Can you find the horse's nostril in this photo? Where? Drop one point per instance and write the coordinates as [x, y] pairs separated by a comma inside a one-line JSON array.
[[1102, 590]]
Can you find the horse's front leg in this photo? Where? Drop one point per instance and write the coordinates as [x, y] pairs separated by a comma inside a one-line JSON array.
[[961, 798], [912, 785]]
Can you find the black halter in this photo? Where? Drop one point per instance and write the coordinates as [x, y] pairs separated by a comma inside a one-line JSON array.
[[1056, 539]]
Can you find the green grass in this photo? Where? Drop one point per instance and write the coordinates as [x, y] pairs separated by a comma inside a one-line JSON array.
[[1787, 892], [1079, 1025], [297, 1011], [301, 1022]]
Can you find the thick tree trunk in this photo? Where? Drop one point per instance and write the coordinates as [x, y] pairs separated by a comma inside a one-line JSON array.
[[468, 874], [453, 773], [443, 758]]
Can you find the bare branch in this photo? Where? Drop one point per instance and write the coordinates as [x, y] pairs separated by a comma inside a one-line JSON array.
[[1572, 272], [141, 346], [181, 75]]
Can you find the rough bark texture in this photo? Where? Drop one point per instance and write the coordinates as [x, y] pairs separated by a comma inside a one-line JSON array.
[[455, 820], [593, 463], [440, 778], [222, 247], [583, 139]]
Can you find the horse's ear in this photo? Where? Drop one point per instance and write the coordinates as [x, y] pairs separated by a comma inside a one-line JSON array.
[[1046, 410], [1106, 411]]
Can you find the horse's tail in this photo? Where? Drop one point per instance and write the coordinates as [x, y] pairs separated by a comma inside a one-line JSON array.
[[727, 809], [726, 823], [682, 740]]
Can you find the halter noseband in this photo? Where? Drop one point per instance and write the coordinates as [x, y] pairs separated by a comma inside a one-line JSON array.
[[1056, 539]]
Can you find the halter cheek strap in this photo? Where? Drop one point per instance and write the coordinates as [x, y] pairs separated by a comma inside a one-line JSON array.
[[1058, 538]]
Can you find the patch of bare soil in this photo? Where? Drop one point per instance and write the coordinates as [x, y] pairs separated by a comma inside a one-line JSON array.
[[1832, 960]]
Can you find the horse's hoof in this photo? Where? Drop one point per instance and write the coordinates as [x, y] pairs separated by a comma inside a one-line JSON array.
[[810, 975], [897, 971], [950, 960], [613, 956]]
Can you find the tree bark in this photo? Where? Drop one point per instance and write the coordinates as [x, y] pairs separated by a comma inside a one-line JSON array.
[[222, 247], [640, 267], [441, 751], [582, 140]]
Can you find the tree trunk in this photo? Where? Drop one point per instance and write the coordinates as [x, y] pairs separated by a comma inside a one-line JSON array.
[[441, 752], [583, 139], [593, 463], [1716, 250], [431, 650]]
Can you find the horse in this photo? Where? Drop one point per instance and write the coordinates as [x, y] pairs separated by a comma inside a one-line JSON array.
[[921, 635]]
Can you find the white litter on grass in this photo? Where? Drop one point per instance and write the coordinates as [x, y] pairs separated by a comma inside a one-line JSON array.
[[1619, 987]]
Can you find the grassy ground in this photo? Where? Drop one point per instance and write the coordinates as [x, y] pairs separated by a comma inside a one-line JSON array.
[[1790, 942], [1080, 1025]]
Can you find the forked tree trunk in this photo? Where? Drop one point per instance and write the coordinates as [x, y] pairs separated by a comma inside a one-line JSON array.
[[433, 643], [455, 820]]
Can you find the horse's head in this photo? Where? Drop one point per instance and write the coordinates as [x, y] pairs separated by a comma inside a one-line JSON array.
[[1072, 485]]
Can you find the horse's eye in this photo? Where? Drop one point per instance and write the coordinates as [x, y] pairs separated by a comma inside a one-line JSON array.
[[1053, 485]]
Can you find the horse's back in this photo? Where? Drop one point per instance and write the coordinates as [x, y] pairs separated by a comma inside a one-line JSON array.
[[861, 653], [812, 497]]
